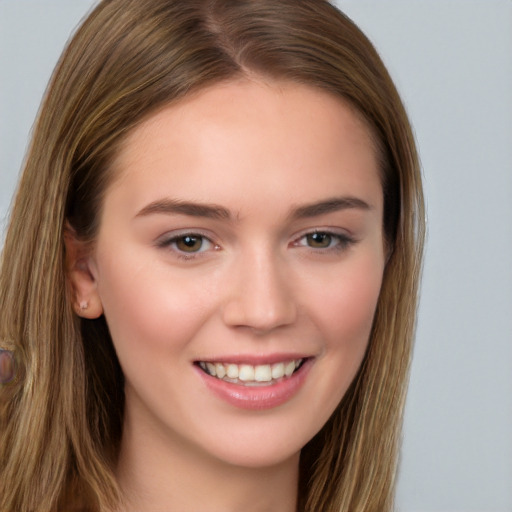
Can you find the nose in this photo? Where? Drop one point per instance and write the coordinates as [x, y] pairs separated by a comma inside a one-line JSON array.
[[259, 294]]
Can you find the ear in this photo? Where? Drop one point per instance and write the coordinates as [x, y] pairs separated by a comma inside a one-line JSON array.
[[81, 276]]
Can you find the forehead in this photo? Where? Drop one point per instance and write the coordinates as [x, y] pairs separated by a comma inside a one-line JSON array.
[[251, 136]]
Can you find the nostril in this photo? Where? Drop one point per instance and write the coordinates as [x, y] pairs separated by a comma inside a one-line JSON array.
[[258, 292], [259, 318], [261, 313]]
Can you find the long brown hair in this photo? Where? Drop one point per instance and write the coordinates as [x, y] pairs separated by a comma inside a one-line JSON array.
[[61, 418]]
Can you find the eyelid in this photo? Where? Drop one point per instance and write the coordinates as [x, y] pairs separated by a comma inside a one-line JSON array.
[[169, 239], [344, 238]]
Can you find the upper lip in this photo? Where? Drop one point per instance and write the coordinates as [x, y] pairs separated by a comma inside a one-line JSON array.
[[255, 359]]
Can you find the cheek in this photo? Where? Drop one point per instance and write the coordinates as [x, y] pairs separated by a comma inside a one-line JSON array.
[[346, 321], [352, 311], [347, 304], [147, 308], [342, 311]]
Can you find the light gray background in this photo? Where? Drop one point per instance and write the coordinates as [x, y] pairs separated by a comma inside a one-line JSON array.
[[452, 62]]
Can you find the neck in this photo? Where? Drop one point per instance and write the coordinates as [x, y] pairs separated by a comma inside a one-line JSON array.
[[168, 475]]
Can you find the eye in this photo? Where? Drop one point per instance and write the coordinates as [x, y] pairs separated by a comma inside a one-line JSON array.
[[324, 240], [190, 243], [319, 240], [187, 244]]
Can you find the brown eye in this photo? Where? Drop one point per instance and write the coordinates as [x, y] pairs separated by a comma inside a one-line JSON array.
[[319, 240], [189, 243]]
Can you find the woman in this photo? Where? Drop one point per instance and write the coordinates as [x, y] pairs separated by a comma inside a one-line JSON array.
[[212, 294]]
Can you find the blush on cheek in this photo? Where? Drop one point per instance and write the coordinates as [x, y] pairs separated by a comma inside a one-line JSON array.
[[158, 319], [353, 310]]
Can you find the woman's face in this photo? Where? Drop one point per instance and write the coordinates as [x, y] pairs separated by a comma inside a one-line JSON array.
[[238, 264]]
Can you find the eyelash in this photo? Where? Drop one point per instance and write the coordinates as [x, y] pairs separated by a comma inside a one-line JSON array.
[[171, 243], [341, 243]]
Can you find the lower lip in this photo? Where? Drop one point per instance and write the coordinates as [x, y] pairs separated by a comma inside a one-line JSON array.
[[258, 397]]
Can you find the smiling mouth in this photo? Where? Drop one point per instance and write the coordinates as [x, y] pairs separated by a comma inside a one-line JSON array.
[[251, 375]]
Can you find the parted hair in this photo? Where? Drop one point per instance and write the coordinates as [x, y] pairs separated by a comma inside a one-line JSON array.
[[61, 418]]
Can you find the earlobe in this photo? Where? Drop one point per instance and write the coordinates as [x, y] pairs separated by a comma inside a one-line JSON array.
[[80, 276]]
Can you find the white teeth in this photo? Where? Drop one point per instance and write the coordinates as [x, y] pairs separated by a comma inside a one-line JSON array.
[[289, 368], [211, 368], [246, 372], [232, 371], [277, 370], [220, 370], [263, 373], [249, 374]]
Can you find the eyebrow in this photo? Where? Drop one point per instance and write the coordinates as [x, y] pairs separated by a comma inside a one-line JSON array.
[[212, 211], [331, 205], [192, 209]]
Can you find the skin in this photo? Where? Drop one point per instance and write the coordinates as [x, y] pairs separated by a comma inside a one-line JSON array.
[[258, 286]]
